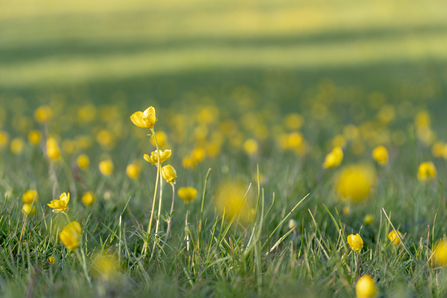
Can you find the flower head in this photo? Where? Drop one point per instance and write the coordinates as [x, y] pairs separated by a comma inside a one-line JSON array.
[[168, 172], [144, 119], [53, 151], [133, 171], [34, 137], [30, 196], [28, 209], [88, 198], [51, 259], [43, 114], [60, 205], [354, 182], [106, 167], [426, 171], [70, 235], [392, 236], [380, 154], [153, 158], [334, 158], [440, 254], [355, 242], [83, 161], [187, 194], [365, 287]]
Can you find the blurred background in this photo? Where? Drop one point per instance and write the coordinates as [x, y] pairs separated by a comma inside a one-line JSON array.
[[334, 63]]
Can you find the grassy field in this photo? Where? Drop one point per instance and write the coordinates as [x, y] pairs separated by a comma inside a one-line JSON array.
[[251, 97]]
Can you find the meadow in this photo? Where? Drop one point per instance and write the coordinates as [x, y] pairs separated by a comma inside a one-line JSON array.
[[303, 149]]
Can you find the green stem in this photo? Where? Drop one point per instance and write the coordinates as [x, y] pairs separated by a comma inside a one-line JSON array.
[[84, 264], [202, 206]]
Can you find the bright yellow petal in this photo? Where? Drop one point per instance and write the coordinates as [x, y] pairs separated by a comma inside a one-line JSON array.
[[137, 118]]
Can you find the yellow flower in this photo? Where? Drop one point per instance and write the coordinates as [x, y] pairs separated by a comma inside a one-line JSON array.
[[355, 242], [30, 196], [60, 205], [440, 255], [187, 193], [392, 236], [334, 158], [106, 266], [153, 158], [380, 154], [43, 114], [4, 138], [51, 260], [106, 167], [187, 162], [28, 209], [144, 119], [133, 171], [161, 139], [198, 154], [17, 145], [88, 198], [231, 201], [68, 146], [368, 219], [168, 172], [53, 151], [346, 210], [83, 161], [34, 137], [354, 182], [426, 171], [70, 235], [365, 287], [292, 224], [250, 147]]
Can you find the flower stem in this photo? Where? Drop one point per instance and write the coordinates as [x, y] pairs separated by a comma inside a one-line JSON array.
[[84, 264], [170, 214]]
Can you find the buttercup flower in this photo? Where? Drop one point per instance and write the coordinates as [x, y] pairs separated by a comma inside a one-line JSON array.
[[365, 287], [354, 182], [334, 158], [83, 161], [153, 158], [88, 198], [133, 171], [51, 260], [144, 119], [106, 167], [168, 172], [30, 196], [368, 219], [53, 151], [355, 242], [440, 256], [426, 171], [60, 205], [43, 114], [187, 194], [28, 209], [17, 145], [394, 238], [380, 154], [70, 235]]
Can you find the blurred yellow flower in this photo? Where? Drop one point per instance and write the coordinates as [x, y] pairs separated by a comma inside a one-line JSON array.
[[426, 171], [70, 235], [106, 167], [187, 162], [380, 154], [105, 266], [153, 158], [43, 114], [144, 119], [4, 139], [394, 238], [250, 146], [34, 137], [292, 224], [17, 145], [168, 172], [293, 121], [354, 182], [440, 254], [53, 151], [133, 171], [369, 219], [83, 161], [334, 158], [187, 194], [68, 146], [30, 196], [28, 209], [346, 210], [162, 139], [437, 149], [105, 139], [51, 260], [365, 287], [88, 198], [230, 200], [60, 205], [198, 155], [355, 242]]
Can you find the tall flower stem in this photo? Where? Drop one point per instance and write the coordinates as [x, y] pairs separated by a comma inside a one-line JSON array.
[[84, 264], [160, 177], [155, 195], [170, 214]]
